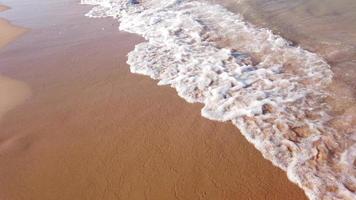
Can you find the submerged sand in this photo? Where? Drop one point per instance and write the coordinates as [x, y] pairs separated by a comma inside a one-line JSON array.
[[93, 130]]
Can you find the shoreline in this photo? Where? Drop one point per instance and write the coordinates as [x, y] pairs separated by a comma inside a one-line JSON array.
[[92, 126], [10, 32], [316, 35], [145, 59], [3, 8], [12, 92]]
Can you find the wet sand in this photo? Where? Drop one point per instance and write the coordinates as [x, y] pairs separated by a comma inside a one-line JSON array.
[[9, 32], [12, 92], [3, 8], [93, 130]]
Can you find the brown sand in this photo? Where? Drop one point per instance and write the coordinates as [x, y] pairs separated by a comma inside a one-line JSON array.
[[3, 8], [8, 32], [93, 130], [12, 92]]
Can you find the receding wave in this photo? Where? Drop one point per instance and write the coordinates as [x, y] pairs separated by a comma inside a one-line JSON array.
[[272, 90]]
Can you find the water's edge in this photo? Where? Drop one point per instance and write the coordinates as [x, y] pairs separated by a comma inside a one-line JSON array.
[[272, 90]]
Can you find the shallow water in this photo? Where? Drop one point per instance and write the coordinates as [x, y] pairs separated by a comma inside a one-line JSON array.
[[290, 98], [327, 27], [323, 21]]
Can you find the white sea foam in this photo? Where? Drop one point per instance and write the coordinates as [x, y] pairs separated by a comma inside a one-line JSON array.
[[272, 91]]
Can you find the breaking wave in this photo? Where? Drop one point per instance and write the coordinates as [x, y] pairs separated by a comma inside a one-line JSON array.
[[270, 89]]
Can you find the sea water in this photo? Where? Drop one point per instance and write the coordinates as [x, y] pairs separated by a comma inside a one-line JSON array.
[[276, 92]]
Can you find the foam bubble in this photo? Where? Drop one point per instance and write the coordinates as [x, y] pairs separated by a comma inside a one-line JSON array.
[[272, 91]]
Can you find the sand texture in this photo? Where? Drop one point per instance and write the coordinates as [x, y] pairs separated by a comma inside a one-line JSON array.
[[93, 130], [12, 92], [8, 32]]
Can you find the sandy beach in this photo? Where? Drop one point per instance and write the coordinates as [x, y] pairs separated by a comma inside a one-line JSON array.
[[9, 32], [12, 92], [86, 128]]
